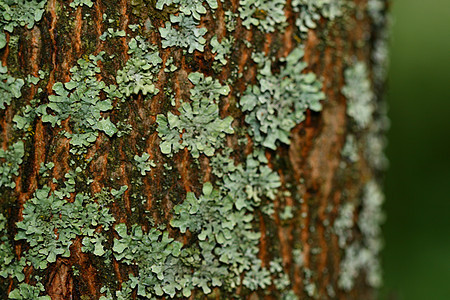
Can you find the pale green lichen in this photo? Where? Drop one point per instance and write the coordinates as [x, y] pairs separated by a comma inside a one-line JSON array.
[[141, 69], [206, 88], [380, 56], [310, 12], [309, 286], [44, 168], [10, 87], [186, 33], [257, 277], [247, 184], [281, 279], [76, 3], [23, 120], [231, 20], [289, 295], [364, 255], [28, 292], [359, 94], [79, 101], [10, 161], [110, 33], [123, 294], [211, 218], [222, 163], [222, 49], [279, 101], [118, 193], [222, 221], [376, 9], [157, 257], [344, 223], [375, 141], [50, 224], [188, 7], [266, 15], [26, 115], [14, 13], [227, 242], [287, 213], [170, 67], [9, 264], [201, 215], [198, 125], [187, 36], [350, 149], [30, 79], [143, 164]]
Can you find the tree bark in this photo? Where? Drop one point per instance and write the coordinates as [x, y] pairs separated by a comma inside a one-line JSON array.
[[216, 149]]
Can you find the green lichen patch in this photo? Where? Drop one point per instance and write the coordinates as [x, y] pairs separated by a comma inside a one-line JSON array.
[[221, 220], [343, 225], [27, 292], [227, 242], [76, 3], [247, 184], [9, 264], [310, 12], [50, 224], [189, 7], [198, 125], [223, 251], [10, 161], [375, 142], [257, 277], [359, 94], [278, 102], [376, 9], [188, 35], [380, 56], [79, 101], [200, 215], [266, 15], [140, 72], [24, 118], [110, 33], [118, 193], [143, 164], [287, 213], [281, 279], [363, 255], [123, 294], [15, 13], [206, 88], [350, 149], [157, 256], [289, 295], [183, 28], [222, 49], [10, 87]]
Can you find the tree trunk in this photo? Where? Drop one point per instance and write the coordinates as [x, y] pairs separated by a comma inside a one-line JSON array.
[[191, 149]]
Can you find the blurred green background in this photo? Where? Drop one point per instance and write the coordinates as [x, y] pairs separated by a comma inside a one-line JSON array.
[[416, 257]]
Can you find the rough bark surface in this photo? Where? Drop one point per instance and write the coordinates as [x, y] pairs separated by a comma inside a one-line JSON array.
[[304, 226]]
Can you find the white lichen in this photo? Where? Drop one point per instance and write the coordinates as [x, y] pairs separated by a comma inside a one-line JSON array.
[[364, 255], [359, 93]]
